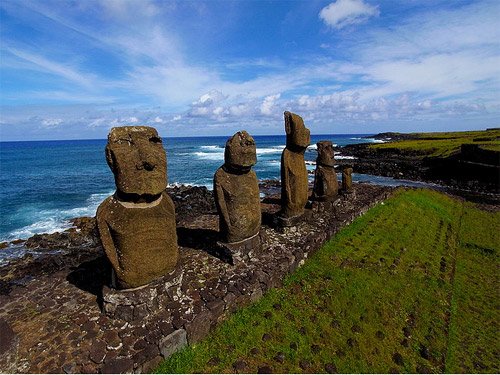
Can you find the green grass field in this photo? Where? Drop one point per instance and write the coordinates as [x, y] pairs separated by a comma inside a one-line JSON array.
[[443, 144], [412, 286]]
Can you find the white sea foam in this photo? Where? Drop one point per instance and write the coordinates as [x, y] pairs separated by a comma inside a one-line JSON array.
[[219, 155], [341, 157], [314, 147], [210, 147], [272, 162], [371, 140], [208, 185], [49, 225], [51, 221], [271, 150]]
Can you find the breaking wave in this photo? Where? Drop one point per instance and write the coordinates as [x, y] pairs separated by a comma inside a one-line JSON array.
[[53, 220]]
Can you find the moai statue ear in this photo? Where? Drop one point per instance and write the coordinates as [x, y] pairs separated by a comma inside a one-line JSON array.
[[288, 122], [110, 158]]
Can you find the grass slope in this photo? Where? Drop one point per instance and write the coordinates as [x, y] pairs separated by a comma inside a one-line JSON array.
[[412, 286], [443, 144]]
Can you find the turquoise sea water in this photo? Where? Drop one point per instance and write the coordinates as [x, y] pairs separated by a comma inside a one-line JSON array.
[[45, 183]]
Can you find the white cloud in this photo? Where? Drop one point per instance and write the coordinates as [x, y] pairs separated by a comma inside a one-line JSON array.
[[51, 122], [434, 64], [268, 106], [342, 13], [48, 66], [123, 9], [212, 97]]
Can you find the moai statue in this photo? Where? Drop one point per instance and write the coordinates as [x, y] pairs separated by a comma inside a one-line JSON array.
[[137, 223], [294, 180], [236, 191], [326, 186], [347, 180]]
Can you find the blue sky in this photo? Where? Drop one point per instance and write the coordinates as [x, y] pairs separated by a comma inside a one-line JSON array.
[[74, 69]]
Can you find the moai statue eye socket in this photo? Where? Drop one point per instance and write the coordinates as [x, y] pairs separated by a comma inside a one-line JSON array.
[[155, 139], [240, 151], [137, 159]]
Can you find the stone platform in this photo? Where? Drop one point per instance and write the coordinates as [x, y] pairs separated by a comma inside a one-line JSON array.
[[240, 252], [56, 320]]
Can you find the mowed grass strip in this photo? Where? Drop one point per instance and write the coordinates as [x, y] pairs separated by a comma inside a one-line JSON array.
[[411, 286], [443, 144]]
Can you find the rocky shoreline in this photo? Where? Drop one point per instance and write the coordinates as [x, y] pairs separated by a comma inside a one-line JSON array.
[[51, 303], [459, 175]]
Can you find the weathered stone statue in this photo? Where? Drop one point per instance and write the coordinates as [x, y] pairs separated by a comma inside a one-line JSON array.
[[294, 182], [347, 180], [236, 190], [137, 223], [326, 185]]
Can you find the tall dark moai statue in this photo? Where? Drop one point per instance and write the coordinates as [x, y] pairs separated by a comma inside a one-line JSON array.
[[236, 190], [347, 180], [294, 180], [137, 223], [326, 186]]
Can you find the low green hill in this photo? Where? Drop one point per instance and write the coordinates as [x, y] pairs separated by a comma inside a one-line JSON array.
[[412, 286], [441, 144]]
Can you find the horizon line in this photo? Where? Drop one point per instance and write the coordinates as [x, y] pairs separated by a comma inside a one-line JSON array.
[[188, 136]]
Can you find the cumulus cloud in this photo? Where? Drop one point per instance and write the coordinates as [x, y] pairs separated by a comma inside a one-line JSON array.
[[268, 106], [342, 13]]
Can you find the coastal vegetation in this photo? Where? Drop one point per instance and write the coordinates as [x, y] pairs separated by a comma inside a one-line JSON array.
[[443, 144], [412, 286]]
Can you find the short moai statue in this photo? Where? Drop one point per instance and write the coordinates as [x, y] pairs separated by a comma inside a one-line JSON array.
[[137, 223], [294, 179], [326, 186], [347, 180], [237, 197]]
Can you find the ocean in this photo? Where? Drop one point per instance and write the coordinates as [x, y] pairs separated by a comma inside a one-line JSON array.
[[45, 183]]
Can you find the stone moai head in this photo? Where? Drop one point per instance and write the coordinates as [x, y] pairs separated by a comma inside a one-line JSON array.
[[325, 154], [137, 159], [297, 135], [347, 179], [240, 152]]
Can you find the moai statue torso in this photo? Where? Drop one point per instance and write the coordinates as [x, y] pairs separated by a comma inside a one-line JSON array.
[[294, 180], [326, 185], [347, 180], [137, 223], [236, 190]]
